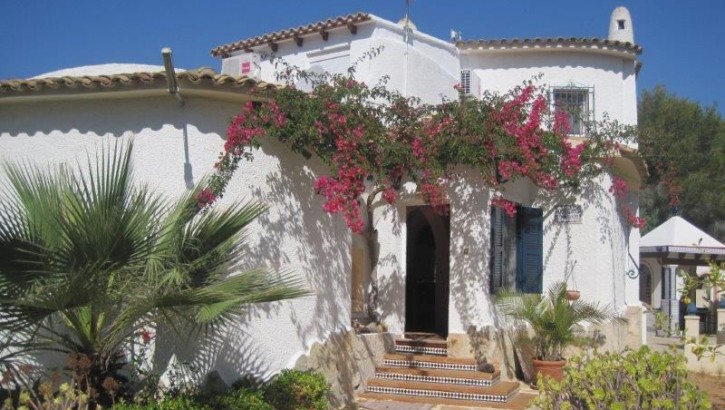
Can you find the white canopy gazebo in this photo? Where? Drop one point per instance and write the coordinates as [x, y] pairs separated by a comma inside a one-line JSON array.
[[674, 244]]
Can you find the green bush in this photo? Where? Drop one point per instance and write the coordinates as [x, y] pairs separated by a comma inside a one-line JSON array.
[[242, 399], [291, 390], [296, 390], [641, 379], [173, 403]]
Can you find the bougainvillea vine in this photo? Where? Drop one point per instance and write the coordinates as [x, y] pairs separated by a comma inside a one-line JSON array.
[[374, 139], [619, 190]]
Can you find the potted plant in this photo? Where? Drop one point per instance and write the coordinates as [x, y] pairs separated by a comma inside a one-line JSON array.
[[553, 320], [571, 293]]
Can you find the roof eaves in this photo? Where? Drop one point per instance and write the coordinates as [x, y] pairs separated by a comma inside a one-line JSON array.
[[297, 33], [203, 78], [700, 250], [550, 42]]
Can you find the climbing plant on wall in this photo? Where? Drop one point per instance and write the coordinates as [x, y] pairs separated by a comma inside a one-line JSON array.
[[374, 139]]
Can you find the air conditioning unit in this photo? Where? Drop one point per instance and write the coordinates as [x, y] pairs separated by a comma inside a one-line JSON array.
[[247, 64]]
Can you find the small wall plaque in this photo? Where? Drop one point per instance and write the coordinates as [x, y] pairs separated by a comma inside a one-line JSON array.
[[569, 214]]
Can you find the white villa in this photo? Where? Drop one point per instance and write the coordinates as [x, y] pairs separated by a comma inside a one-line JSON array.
[[61, 116]]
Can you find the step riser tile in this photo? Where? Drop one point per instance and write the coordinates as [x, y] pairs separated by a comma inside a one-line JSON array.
[[429, 365], [440, 380], [441, 394], [438, 351]]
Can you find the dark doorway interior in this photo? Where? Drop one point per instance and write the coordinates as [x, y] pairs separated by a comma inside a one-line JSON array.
[[645, 284], [426, 290]]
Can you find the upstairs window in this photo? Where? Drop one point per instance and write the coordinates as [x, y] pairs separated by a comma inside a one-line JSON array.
[[578, 103], [466, 81], [517, 249]]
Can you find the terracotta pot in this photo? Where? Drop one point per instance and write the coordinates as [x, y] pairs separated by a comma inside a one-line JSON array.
[[549, 368], [572, 295]]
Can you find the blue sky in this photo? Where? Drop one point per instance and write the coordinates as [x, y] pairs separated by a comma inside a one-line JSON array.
[[684, 42]]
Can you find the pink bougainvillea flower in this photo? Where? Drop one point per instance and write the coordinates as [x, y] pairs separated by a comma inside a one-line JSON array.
[[372, 134], [508, 206]]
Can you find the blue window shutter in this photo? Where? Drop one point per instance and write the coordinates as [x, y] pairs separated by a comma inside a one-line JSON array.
[[497, 256], [530, 253]]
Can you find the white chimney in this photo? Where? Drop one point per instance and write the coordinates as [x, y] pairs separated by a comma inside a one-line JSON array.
[[620, 26]]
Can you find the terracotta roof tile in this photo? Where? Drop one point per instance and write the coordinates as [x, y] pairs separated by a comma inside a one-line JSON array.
[[277, 36], [202, 77], [550, 42]]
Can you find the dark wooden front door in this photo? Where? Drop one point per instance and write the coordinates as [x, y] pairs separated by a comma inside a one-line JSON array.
[[426, 285]]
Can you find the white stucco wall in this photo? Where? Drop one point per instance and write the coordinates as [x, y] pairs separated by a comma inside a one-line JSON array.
[[603, 248], [655, 269], [425, 67], [295, 234], [612, 77], [598, 250], [595, 250], [469, 300]]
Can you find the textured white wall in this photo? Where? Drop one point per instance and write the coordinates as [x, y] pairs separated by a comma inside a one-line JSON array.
[[655, 269], [431, 69], [425, 67], [294, 235], [603, 248], [296, 232], [612, 77], [595, 249]]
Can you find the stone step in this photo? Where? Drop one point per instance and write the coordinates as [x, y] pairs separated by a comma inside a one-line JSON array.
[[499, 393], [520, 401], [422, 336], [422, 346], [460, 377], [429, 361]]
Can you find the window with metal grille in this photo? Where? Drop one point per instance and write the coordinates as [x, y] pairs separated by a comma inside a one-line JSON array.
[[578, 103], [466, 81]]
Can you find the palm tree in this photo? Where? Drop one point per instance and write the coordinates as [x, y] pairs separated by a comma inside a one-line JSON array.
[[87, 260], [553, 318]]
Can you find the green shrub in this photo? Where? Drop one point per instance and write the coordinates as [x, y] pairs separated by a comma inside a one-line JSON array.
[[242, 399], [125, 406], [45, 396], [641, 379], [172, 403], [296, 390]]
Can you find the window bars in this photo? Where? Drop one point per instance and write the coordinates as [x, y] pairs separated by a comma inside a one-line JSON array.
[[578, 103], [466, 81]]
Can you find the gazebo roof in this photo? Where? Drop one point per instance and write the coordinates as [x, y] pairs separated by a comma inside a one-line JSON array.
[[680, 242]]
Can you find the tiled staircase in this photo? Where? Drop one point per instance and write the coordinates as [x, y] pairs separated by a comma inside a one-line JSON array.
[[421, 371]]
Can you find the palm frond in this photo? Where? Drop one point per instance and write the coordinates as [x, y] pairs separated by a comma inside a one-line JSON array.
[[223, 298], [198, 248], [552, 317], [87, 257]]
